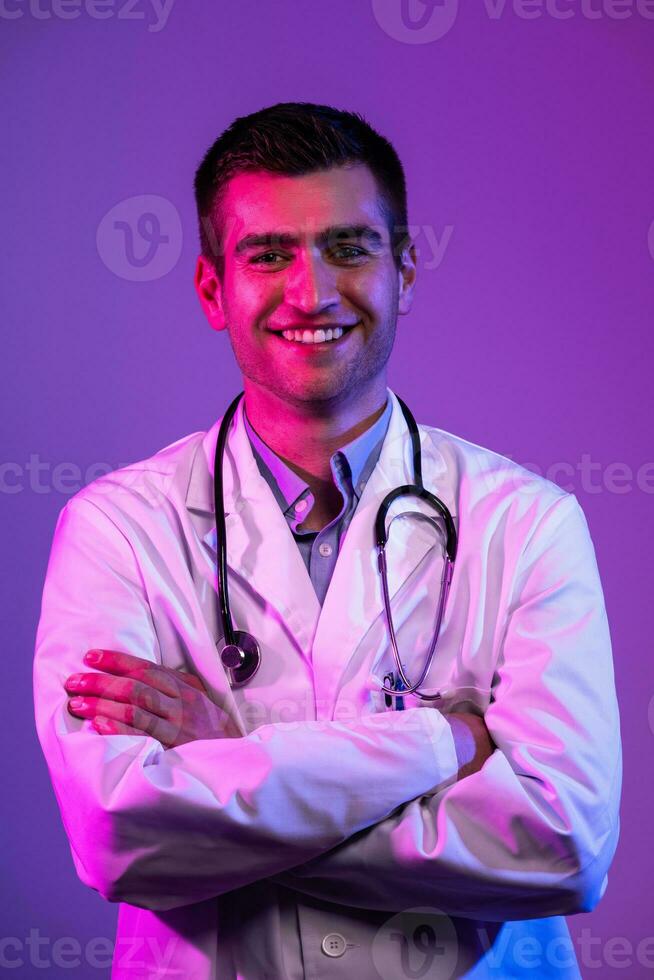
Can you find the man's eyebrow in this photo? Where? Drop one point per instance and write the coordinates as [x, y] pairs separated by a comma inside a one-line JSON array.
[[332, 234]]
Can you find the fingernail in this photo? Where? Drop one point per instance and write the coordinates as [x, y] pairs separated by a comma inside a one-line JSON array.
[[77, 703], [101, 724], [93, 656]]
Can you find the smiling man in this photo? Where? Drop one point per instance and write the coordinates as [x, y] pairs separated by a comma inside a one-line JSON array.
[[324, 819], [310, 292]]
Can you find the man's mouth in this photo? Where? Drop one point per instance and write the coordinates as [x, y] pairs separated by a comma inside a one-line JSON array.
[[320, 336]]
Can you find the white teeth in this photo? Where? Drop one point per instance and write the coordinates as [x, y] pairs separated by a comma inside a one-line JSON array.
[[312, 336]]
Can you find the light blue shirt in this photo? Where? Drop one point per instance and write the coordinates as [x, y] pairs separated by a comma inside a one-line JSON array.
[[351, 466]]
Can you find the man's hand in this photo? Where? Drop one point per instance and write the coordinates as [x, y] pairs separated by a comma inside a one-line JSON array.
[[471, 739], [136, 697]]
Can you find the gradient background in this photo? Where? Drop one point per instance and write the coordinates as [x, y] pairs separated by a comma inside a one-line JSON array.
[[529, 154]]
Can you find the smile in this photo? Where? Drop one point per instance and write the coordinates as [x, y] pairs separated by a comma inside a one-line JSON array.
[[315, 336]]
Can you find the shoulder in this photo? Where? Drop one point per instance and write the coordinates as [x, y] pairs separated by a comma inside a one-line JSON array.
[[146, 483], [490, 485]]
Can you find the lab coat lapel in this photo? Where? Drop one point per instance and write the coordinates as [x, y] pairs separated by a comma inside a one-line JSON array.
[[261, 550], [354, 600]]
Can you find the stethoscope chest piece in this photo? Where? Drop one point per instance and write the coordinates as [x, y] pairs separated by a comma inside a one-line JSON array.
[[241, 659]]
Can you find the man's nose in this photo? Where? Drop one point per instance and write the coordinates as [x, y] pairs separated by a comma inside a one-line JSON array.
[[311, 285]]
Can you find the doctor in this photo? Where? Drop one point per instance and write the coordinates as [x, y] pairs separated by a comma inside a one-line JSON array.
[[295, 826]]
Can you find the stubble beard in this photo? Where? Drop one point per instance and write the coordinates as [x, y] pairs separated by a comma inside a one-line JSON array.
[[344, 382]]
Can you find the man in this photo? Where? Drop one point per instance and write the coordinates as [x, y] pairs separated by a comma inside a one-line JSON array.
[[294, 826]]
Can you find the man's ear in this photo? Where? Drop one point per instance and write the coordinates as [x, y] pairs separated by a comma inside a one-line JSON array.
[[407, 277], [209, 290]]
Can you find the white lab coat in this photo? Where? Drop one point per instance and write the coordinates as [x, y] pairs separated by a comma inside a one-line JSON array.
[[291, 851]]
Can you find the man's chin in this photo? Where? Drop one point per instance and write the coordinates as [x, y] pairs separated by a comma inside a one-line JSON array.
[[321, 392]]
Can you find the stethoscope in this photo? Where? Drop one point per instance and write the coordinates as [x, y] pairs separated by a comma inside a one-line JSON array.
[[241, 655]]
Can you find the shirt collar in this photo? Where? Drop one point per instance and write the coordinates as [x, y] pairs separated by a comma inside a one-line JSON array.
[[361, 454]]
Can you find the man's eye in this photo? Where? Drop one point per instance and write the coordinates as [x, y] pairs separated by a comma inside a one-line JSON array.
[[267, 255], [353, 250]]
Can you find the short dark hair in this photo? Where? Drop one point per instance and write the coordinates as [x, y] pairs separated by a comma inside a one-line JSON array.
[[296, 138]]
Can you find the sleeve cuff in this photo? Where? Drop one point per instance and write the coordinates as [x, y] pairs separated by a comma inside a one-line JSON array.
[[441, 738]]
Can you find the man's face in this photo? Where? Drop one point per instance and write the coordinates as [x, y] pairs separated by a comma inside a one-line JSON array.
[[302, 256]]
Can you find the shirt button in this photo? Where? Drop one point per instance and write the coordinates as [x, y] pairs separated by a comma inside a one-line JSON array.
[[333, 944], [362, 487], [301, 506], [325, 551]]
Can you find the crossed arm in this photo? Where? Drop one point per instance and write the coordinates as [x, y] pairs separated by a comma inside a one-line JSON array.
[[129, 695], [374, 813]]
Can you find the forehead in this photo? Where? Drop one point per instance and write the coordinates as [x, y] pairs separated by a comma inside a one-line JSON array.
[[262, 201]]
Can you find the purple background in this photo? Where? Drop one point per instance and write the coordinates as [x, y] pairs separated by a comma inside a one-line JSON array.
[[529, 138]]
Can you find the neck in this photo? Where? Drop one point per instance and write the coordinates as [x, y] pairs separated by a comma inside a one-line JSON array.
[[306, 434]]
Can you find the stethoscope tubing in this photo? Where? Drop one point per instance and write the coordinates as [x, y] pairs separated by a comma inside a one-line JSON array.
[[241, 655], [221, 530]]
